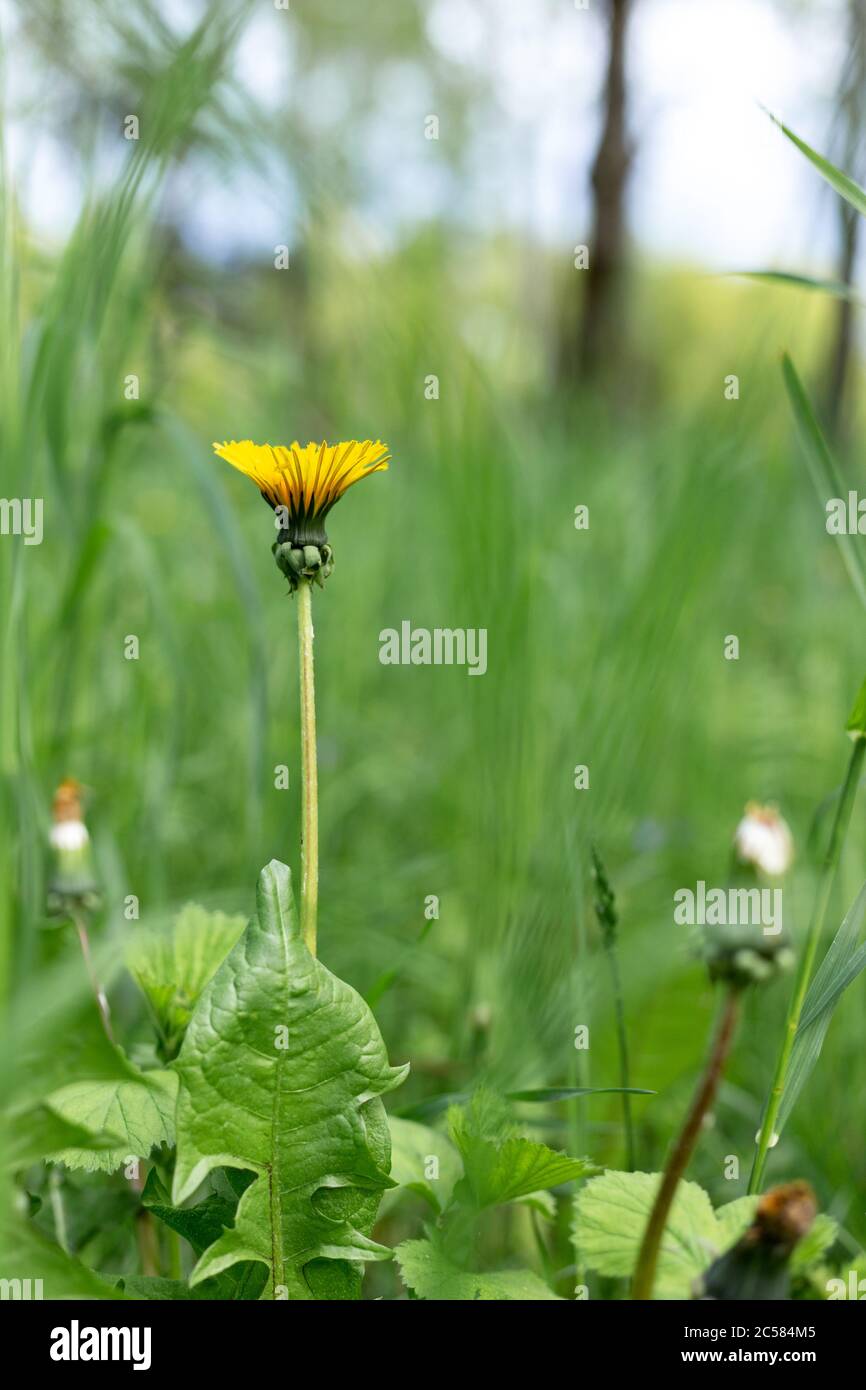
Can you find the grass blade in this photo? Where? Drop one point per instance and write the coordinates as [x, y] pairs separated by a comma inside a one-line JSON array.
[[841, 965], [835, 288], [845, 186], [545, 1094], [824, 470]]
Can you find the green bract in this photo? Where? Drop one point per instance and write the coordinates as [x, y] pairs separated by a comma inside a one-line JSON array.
[[281, 1072]]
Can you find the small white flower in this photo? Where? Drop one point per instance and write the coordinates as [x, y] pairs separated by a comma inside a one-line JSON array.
[[69, 835], [763, 839]]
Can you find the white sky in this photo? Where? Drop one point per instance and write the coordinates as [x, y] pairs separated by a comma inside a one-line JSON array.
[[714, 181]]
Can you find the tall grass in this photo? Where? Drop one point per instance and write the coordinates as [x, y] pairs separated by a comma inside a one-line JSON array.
[[605, 646]]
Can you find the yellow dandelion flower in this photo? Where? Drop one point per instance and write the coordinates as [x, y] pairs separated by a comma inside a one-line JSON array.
[[305, 481], [302, 483]]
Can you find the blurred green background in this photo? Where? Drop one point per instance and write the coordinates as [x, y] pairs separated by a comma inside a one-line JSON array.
[[605, 645]]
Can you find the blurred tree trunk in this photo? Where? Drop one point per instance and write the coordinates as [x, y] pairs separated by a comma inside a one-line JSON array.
[[852, 115], [591, 344]]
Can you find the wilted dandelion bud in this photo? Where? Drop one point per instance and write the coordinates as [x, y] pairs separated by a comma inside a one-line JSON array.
[[72, 880], [757, 1267], [745, 955], [763, 840]]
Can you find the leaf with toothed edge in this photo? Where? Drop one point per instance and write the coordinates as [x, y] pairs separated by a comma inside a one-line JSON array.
[[281, 1072]]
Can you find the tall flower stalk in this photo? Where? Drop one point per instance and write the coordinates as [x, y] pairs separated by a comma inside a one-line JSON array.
[[644, 1275], [841, 821], [737, 957], [309, 770], [301, 484]]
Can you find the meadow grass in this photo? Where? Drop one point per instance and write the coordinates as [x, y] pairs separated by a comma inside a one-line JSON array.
[[605, 646]]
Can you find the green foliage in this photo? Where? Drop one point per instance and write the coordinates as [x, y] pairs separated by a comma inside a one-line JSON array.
[[545, 1095], [172, 969], [412, 1147], [856, 726], [428, 1272], [605, 632], [611, 1213], [824, 471], [281, 1072], [836, 288], [847, 187], [497, 1173], [809, 1251], [843, 962], [26, 1252], [488, 1165], [139, 1109], [201, 1225], [40, 1132]]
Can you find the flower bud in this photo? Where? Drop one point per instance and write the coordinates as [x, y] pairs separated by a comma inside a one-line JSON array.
[[296, 562], [745, 955], [72, 881], [763, 840]]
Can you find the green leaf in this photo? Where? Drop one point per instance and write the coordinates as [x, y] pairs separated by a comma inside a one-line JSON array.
[[201, 1225], [809, 1251], [140, 1110], [856, 726], [836, 288], [412, 1148], [160, 1290], [824, 472], [173, 968], [735, 1218], [40, 1133], [844, 961], [845, 186], [41, 1063], [496, 1173], [25, 1253], [544, 1203], [281, 1072], [611, 1213], [433, 1105], [432, 1276]]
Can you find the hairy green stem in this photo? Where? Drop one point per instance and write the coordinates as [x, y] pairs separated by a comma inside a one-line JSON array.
[[309, 774], [645, 1269], [79, 919], [826, 879]]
